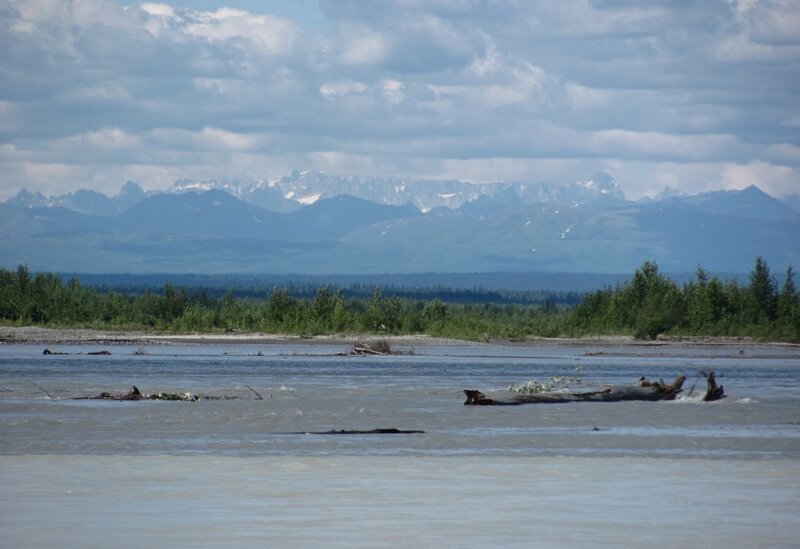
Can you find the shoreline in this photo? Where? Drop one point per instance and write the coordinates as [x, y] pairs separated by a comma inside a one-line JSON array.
[[82, 336]]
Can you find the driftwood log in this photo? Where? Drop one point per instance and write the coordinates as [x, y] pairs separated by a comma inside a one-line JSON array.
[[136, 394], [379, 347], [391, 431], [48, 351], [645, 390]]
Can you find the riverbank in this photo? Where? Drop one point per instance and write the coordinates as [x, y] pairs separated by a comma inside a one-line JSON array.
[[81, 336]]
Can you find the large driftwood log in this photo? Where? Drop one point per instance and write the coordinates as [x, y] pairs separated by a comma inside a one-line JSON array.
[[644, 390]]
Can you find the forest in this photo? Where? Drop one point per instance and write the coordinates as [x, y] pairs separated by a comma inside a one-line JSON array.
[[646, 306]]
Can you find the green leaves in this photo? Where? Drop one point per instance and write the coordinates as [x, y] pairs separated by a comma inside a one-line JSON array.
[[648, 306], [651, 305]]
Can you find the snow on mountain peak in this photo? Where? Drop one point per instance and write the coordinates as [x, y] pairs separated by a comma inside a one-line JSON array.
[[308, 200]]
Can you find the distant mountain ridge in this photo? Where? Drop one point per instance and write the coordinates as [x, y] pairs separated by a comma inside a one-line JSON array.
[[303, 188], [210, 228], [83, 201], [427, 195]]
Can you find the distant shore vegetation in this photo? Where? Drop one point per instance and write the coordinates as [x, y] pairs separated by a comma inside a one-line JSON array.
[[647, 306]]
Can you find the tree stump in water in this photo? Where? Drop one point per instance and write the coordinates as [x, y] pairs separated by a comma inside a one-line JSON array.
[[713, 392]]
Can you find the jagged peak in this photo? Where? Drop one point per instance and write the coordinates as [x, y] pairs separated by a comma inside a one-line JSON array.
[[601, 183], [130, 188]]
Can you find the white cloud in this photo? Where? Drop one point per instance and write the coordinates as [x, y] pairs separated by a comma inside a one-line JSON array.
[[367, 49], [774, 179], [694, 95], [272, 35], [489, 62], [103, 140], [342, 87], [630, 144], [163, 10], [585, 98], [392, 90]]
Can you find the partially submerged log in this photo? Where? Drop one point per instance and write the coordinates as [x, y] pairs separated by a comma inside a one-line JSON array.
[[391, 431], [48, 351], [133, 394], [363, 350], [645, 390], [136, 394]]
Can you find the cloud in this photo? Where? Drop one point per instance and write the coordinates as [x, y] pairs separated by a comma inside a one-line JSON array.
[[697, 95], [363, 50], [342, 87], [774, 179]]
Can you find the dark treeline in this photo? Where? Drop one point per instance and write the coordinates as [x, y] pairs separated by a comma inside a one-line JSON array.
[[363, 291], [45, 299], [647, 305], [241, 284]]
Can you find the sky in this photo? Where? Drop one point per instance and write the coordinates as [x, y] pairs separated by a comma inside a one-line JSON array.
[[697, 96]]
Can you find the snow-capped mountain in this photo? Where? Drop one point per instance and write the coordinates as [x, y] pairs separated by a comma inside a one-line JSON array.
[[83, 201], [303, 188], [306, 187], [530, 228]]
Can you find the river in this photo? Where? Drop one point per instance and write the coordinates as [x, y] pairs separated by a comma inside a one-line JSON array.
[[241, 472]]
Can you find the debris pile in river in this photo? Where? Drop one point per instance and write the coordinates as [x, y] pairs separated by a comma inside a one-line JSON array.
[[136, 394], [377, 347], [644, 390]]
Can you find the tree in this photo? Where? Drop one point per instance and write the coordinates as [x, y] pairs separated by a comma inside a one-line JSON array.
[[280, 306], [702, 276], [324, 307], [383, 315], [651, 304], [435, 312], [789, 308], [704, 303], [761, 292], [173, 302], [788, 297]]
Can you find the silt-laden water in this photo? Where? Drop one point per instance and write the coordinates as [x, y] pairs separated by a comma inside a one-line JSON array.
[[231, 472]]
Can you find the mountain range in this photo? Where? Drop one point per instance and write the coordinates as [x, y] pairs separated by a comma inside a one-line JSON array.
[[313, 223]]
